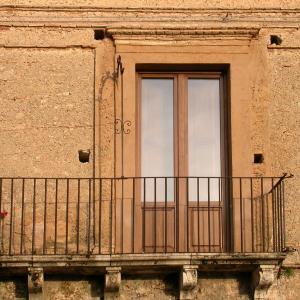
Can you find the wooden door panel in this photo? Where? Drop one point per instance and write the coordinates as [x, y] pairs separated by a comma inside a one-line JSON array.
[[205, 229], [159, 229]]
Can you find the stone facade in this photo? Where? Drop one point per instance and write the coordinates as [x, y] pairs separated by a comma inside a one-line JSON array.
[[232, 285], [57, 85]]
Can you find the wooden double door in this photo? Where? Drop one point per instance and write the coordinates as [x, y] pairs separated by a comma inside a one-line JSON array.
[[177, 199]]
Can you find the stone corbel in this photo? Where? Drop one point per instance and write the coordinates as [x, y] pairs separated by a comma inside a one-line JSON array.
[[112, 283], [188, 282], [262, 279], [35, 283]]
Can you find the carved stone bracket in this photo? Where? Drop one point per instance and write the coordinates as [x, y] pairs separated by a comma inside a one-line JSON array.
[[35, 283], [188, 282], [112, 283], [262, 279]]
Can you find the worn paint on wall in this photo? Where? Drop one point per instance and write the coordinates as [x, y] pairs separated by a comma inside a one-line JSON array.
[[287, 286], [284, 136], [51, 78], [224, 286], [71, 288], [149, 287], [13, 288], [161, 4], [46, 114]]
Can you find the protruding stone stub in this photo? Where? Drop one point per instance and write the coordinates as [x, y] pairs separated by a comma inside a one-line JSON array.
[[262, 279], [35, 283], [188, 282], [112, 283]]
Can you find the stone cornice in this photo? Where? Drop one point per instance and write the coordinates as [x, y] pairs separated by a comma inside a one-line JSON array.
[[188, 31], [64, 16], [205, 260], [181, 33], [155, 9]]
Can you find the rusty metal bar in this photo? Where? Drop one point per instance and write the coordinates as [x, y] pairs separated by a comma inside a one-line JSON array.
[[94, 211], [241, 216], [177, 213], [283, 215], [111, 218], [280, 179], [219, 213], [276, 218], [0, 194], [78, 216], [166, 215], [174, 214], [100, 215], [268, 221], [144, 216], [280, 218], [89, 219], [67, 217], [133, 216], [252, 214], [187, 216], [120, 67], [155, 212], [198, 215], [45, 218], [273, 216], [11, 216], [56, 199], [262, 213], [208, 212], [122, 216], [22, 216], [33, 217]]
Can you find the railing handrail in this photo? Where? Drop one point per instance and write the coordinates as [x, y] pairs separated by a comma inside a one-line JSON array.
[[141, 214], [283, 177]]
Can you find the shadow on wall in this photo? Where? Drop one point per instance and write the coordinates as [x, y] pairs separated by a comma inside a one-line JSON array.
[[60, 287], [224, 286], [13, 288], [155, 286]]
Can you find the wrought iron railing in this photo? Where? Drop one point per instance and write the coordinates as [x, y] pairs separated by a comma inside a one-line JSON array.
[[55, 216]]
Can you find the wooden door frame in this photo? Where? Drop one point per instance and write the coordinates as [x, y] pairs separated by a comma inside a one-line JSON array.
[[180, 132]]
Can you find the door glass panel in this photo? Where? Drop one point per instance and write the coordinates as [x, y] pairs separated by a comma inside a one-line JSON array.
[[157, 149], [204, 157]]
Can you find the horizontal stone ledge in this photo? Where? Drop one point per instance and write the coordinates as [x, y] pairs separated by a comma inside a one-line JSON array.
[[149, 261], [133, 10], [224, 31]]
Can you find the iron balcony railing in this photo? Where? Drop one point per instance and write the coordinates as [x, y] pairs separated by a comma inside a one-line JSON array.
[[56, 216]]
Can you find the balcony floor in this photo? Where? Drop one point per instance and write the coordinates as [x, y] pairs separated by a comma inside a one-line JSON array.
[[140, 263]]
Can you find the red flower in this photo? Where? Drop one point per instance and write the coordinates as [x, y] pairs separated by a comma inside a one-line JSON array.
[[3, 214]]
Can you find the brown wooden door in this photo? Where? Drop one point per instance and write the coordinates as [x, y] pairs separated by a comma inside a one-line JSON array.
[[180, 159]]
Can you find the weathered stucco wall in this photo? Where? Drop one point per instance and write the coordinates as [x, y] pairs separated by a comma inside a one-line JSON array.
[[164, 287], [57, 82], [46, 114], [287, 286], [161, 4], [233, 286], [283, 113], [13, 288], [80, 287], [49, 88]]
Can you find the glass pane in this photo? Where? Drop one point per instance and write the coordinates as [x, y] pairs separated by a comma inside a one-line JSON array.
[[157, 135], [204, 157]]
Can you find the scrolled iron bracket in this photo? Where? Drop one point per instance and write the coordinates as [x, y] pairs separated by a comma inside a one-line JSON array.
[[122, 127]]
